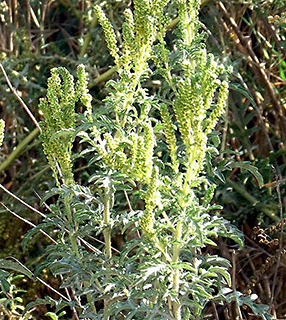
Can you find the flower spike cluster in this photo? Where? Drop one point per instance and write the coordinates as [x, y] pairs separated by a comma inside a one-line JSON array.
[[58, 126], [131, 150]]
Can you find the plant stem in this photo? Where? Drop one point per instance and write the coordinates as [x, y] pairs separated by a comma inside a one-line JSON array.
[[138, 70], [243, 192], [73, 240], [106, 213], [72, 235], [176, 278], [87, 37], [107, 235], [19, 149]]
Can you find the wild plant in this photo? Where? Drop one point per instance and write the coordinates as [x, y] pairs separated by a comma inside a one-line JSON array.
[[147, 175]]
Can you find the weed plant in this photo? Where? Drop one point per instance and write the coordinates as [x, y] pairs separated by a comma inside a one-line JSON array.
[[146, 157]]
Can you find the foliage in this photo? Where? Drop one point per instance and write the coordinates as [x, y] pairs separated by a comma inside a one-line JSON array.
[[11, 303]]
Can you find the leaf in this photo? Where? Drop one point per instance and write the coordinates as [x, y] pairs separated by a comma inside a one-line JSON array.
[[15, 266], [223, 271], [52, 315], [59, 304], [258, 309], [65, 133], [252, 169], [187, 266], [5, 285], [237, 87], [200, 291], [51, 193]]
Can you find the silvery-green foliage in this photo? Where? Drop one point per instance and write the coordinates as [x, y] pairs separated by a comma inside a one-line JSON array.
[[150, 150]]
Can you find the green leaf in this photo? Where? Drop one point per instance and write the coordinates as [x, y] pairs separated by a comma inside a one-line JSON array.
[[252, 169], [258, 309], [15, 266], [223, 271], [200, 291], [52, 315], [187, 266], [237, 87], [5, 285]]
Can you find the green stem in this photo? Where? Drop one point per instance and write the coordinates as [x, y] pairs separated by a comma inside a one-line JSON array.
[[176, 306], [73, 240], [87, 37], [243, 192], [107, 236], [191, 171], [72, 234], [106, 213], [138, 70], [103, 77], [19, 149]]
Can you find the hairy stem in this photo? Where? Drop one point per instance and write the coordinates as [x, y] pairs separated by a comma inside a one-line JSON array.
[[176, 306], [106, 213], [72, 235], [107, 234]]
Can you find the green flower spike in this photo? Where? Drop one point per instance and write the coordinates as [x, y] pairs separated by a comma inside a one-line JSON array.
[[59, 123], [109, 33]]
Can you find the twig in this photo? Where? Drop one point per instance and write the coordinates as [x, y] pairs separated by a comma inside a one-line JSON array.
[[21, 201], [40, 280], [237, 309], [19, 98], [215, 311], [280, 245], [88, 245], [29, 223], [258, 68]]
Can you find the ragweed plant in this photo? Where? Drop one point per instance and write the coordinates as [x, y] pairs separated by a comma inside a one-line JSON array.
[[147, 160], [176, 222]]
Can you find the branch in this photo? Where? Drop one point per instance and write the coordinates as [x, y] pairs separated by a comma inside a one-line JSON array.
[[19, 98]]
